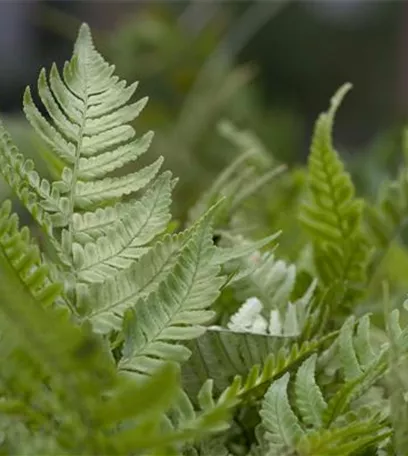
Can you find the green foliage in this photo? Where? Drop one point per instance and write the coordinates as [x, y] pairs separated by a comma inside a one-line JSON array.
[[121, 334], [333, 214]]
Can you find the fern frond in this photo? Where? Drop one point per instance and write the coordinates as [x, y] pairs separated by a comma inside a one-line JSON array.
[[104, 304], [213, 414], [362, 342], [23, 257], [283, 429], [88, 133], [241, 248], [247, 174], [329, 426], [254, 360], [344, 441], [309, 398], [176, 311], [387, 217], [107, 255], [52, 363], [333, 214], [35, 193]]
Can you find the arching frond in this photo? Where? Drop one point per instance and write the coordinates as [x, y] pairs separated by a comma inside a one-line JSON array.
[[332, 216], [88, 131], [176, 310]]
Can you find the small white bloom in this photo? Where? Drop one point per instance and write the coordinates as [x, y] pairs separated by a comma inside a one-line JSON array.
[[246, 315]]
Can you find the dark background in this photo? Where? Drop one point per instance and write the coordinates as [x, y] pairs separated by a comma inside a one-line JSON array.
[[303, 51]]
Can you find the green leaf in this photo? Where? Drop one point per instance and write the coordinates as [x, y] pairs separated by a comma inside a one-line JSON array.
[[309, 398], [283, 430]]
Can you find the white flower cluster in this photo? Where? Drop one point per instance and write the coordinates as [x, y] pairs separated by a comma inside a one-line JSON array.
[[249, 317]]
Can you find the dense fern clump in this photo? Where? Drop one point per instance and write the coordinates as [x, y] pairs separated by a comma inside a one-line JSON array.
[[121, 335]]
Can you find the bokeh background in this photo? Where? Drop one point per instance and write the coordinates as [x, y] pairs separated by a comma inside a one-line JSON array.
[[268, 66]]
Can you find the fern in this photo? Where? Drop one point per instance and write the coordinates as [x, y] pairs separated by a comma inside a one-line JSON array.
[[385, 221], [109, 250], [23, 256], [51, 363], [254, 361], [242, 178], [309, 398], [93, 234], [176, 310], [283, 427], [338, 425], [333, 214], [56, 362], [121, 335]]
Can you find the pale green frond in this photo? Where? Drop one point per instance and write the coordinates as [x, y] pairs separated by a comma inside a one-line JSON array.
[[89, 226], [283, 430], [309, 398], [127, 239], [98, 125], [113, 98], [176, 311], [88, 129], [68, 130], [104, 304]]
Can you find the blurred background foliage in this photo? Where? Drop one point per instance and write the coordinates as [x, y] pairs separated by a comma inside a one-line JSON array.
[[232, 78]]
